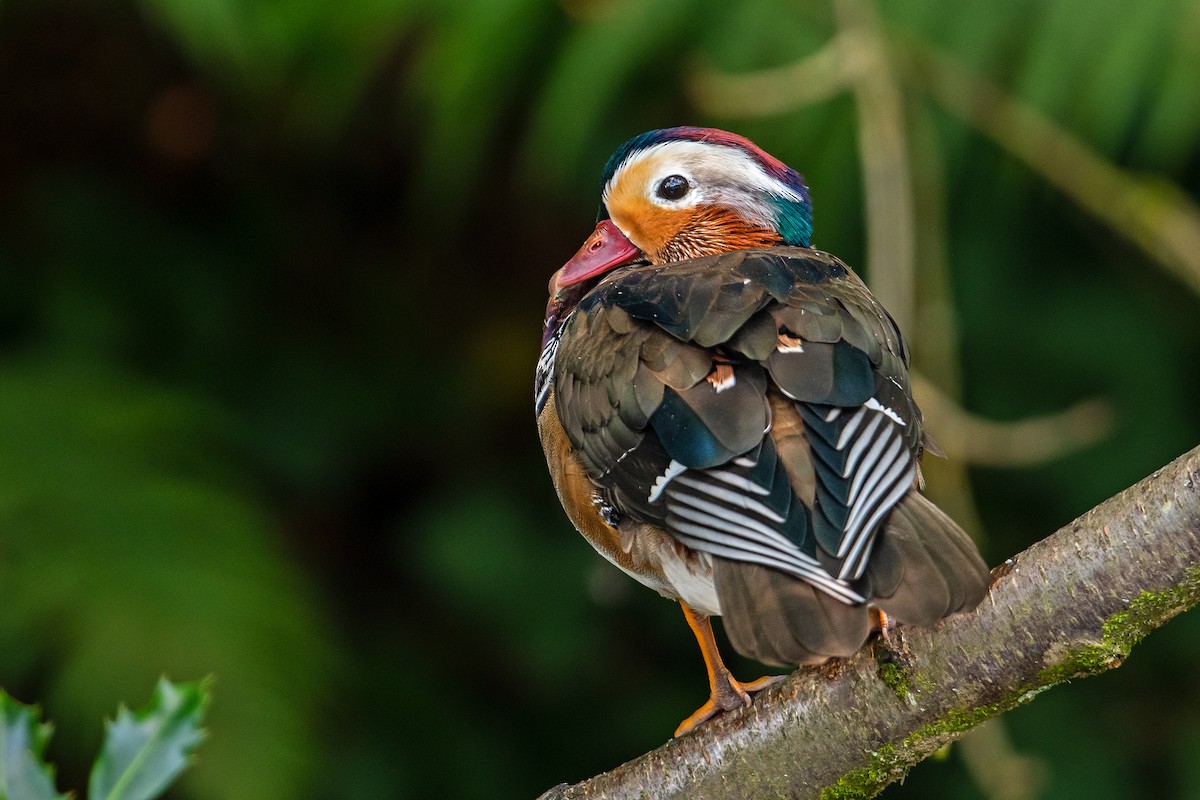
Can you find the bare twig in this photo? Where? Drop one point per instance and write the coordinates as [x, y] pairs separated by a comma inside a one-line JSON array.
[[883, 150], [999, 770], [1072, 605], [934, 335], [1149, 211], [973, 439], [769, 92]]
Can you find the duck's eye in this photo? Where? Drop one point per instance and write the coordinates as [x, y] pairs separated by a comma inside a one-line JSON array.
[[673, 187]]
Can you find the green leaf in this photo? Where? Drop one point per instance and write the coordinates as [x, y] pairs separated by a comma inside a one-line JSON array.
[[145, 750], [23, 774]]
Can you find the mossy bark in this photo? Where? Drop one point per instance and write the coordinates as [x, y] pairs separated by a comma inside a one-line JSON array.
[[1072, 605]]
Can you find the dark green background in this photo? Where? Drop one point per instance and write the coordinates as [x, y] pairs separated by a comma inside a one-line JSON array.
[[272, 275]]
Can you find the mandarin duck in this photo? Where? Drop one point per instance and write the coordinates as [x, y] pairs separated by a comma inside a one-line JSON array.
[[726, 415]]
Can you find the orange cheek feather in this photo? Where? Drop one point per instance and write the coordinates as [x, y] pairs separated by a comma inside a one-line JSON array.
[[650, 227], [647, 225]]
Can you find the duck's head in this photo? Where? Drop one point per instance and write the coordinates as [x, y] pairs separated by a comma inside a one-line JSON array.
[[688, 192]]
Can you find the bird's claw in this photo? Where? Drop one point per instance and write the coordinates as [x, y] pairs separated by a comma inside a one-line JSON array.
[[727, 695]]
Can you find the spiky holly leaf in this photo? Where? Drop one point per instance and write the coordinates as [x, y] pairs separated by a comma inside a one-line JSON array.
[[23, 774], [145, 750]]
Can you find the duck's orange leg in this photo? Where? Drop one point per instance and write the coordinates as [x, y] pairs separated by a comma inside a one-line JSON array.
[[883, 622], [727, 693]]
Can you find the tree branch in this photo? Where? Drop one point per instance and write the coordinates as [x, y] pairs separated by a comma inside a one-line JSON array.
[[1150, 211], [1070, 606]]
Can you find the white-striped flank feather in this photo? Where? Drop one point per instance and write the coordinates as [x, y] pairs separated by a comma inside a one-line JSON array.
[[880, 469], [714, 514]]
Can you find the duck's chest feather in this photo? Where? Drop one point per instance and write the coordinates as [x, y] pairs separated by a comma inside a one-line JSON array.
[[641, 550]]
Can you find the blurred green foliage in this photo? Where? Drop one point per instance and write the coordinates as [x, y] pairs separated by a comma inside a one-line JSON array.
[[271, 282]]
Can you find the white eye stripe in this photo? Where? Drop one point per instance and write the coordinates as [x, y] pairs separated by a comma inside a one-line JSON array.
[[718, 173]]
